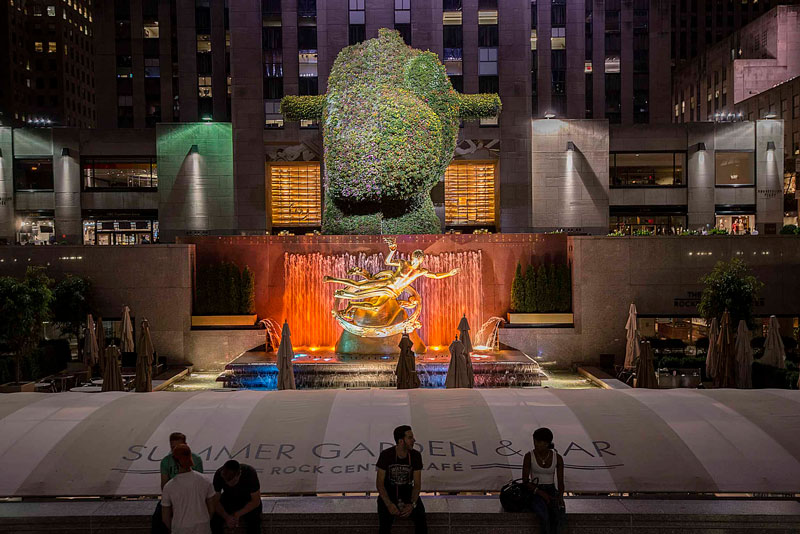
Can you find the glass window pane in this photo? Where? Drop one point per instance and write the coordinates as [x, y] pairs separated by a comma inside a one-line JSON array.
[[33, 174], [469, 197], [135, 173], [734, 168], [296, 194], [645, 169]]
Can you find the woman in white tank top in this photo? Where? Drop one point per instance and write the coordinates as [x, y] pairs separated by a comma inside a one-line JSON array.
[[540, 467]]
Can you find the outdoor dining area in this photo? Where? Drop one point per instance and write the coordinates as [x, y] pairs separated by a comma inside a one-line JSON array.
[[729, 359], [102, 367]]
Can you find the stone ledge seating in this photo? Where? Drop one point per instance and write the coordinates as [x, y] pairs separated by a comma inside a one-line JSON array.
[[451, 515]]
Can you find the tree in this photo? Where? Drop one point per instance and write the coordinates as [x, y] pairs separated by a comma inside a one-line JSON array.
[[530, 290], [247, 297], [518, 290], [541, 295], [70, 306], [24, 305], [730, 286]]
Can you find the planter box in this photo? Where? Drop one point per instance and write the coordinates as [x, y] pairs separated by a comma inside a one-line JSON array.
[[13, 387], [224, 320], [542, 319]]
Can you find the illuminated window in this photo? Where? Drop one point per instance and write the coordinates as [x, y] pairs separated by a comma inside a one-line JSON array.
[[38, 46], [296, 198], [51, 47], [151, 30], [469, 197], [204, 86], [51, 11]]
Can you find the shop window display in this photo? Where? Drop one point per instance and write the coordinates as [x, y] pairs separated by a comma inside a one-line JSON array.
[[32, 230], [119, 232]]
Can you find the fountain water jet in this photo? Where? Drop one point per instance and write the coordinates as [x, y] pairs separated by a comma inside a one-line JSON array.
[[308, 300], [487, 337]]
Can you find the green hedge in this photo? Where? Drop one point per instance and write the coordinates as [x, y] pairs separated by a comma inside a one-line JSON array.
[[542, 289], [224, 289], [790, 229]]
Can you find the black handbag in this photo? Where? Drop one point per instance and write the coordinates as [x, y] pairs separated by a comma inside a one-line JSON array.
[[515, 496]]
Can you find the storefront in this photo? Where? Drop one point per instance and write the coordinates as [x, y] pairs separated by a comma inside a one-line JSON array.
[[657, 220], [139, 228], [36, 228], [736, 220]]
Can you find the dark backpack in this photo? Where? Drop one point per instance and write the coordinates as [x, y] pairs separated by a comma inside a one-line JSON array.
[[515, 496]]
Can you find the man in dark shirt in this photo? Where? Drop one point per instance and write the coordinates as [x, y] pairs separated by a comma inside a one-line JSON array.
[[399, 481], [238, 498]]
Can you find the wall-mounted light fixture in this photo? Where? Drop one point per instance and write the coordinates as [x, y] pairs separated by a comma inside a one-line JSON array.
[[194, 150], [206, 118], [570, 146], [770, 115], [549, 115], [770, 145], [701, 147], [65, 151]]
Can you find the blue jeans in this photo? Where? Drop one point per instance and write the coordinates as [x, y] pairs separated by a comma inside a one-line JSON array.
[[548, 514]]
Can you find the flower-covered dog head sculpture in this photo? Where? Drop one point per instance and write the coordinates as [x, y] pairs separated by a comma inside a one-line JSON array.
[[390, 120]]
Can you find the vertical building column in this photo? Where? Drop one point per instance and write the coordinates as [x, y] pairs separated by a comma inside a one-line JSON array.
[[659, 99], [426, 26], [626, 62], [598, 59], [576, 54], [7, 218], [332, 36], [105, 65], [165, 58], [514, 60], [379, 14], [769, 175], [67, 185], [137, 58], [247, 109], [544, 74], [187, 59], [469, 28], [700, 175], [219, 78]]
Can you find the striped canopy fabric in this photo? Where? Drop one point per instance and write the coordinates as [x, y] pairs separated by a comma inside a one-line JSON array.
[[81, 444]]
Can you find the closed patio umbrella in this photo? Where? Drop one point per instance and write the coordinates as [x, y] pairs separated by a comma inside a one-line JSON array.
[[774, 352], [285, 356], [711, 352], [144, 360], [91, 352], [463, 336], [744, 357], [112, 377], [126, 334], [101, 344], [725, 371], [406, 365], [632, 338], [457, 376], [645, 372]]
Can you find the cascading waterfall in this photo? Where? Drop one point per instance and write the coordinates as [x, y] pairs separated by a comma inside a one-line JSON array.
[[308, 301], [487, 337]]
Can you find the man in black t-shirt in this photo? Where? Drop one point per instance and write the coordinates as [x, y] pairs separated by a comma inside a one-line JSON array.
[[399, 481], [238, 498]]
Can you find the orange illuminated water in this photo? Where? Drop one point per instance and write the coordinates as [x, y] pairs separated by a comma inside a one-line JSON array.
[[308, 301]]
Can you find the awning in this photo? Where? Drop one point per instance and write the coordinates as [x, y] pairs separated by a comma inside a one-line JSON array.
[[77, 444]]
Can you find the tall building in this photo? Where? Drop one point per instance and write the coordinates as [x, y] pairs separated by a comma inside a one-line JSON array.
[[697, 25], [46, 63]]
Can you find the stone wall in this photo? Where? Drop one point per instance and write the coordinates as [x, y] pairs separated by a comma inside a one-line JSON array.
[[154, 280]]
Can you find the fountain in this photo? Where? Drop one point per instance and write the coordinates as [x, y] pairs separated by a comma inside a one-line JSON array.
[[487, 338], [272, 336]]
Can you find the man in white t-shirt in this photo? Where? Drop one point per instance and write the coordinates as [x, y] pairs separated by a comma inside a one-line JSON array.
[[187, 501]]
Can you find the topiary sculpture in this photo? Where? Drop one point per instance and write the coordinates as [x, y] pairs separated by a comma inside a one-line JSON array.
[[389, 125]]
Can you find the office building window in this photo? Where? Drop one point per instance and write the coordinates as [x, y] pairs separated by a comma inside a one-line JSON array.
[[296, 194], [402, 19], [645, 169], [733, 168], [204, 86], [469, 197], [272, 114], [151, 29], [33, 174], [558, 13], [119, 173], [357, 19]]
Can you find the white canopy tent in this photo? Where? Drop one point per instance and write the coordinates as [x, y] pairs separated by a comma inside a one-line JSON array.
[[78, 444]]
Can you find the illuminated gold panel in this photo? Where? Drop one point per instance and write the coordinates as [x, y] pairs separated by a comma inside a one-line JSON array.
[[469, 193], [296, 199]]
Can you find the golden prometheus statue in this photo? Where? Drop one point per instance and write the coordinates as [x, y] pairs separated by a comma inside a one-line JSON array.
[[370, 301]]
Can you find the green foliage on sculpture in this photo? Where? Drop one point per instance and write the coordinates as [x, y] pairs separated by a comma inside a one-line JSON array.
[[389, 124], [480, 106], [295, 108]]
